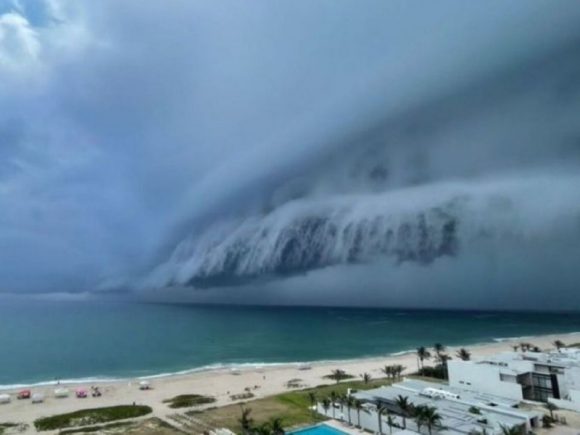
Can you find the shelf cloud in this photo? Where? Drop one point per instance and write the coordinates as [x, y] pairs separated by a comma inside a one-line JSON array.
[[390, 153]]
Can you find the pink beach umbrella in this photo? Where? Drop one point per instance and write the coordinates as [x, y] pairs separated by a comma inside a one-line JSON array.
[[81, 393]]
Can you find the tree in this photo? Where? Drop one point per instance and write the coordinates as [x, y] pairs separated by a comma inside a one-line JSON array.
[[418, 414], [325, 405], [551, 407], [387, 370], [263, 429], [366, 377], [390, 422], [349, 404], [380, 409], [358, 405], [438, 348], [245, 420], [430, 417], [405, 406], [559, 344], [333, 398], [463, 354], [423, 354], [338, 375], [276, 426], [312, 397], [443, 358], [398, 370]]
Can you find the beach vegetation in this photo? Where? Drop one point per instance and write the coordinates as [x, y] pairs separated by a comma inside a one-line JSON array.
[[246, 421], [405, 407], [380, 408], [463, 354], [474, 410], [86, 417], [422, 355], [188, 400], [339, 375], [427, 416], [18, 426], [98, 428], [559, 344], [292, 406]]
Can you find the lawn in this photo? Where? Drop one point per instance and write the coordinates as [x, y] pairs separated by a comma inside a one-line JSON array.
[[87, 417], [292, 407]]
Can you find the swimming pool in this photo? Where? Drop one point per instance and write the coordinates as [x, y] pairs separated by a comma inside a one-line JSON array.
[[319, 429]]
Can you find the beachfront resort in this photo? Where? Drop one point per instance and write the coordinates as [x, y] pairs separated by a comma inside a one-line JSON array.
[[486, 389]]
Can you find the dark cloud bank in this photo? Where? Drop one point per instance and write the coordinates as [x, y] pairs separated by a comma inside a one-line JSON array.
[[377, 153]]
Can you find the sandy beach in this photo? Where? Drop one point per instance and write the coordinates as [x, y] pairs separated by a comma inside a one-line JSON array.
[[221, 384]]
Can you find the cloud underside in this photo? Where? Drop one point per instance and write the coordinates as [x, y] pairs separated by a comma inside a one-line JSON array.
[[280, 151]]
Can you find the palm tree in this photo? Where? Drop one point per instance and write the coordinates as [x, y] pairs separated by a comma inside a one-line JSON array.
[[430, 417], [559, 344], [438, 348], [443, 358], [380, 409], [245, 420], [419, 416], [551, 407], [405, 407], [342, 402], [312, 397], [333, 398], [423, 354], [397, 370], [366, 377], [349, 404], [387, 371], [276, 426], [358, 405], [325, 405], [463, 354], [338, 375], [390, 422]]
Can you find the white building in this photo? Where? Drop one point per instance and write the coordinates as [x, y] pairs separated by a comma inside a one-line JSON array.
[[462, 411], [535, 376]]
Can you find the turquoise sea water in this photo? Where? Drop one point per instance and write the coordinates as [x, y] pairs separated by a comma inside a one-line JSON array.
[[45, 341]]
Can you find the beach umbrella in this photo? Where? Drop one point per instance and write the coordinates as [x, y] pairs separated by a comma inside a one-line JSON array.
[[4, 398], [144, 385], [81, 393], [37, 398], [24, 394], [61, 393]]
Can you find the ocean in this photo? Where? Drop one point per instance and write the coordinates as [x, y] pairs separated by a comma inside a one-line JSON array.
[[44, 341]]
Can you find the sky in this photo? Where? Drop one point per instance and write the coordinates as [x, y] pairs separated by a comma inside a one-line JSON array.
[[148, 146]]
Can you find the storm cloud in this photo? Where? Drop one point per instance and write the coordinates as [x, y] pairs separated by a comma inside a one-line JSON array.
[[295, 152]]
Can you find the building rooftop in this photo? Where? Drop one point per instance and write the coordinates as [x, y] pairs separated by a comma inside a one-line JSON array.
[[456, 412]]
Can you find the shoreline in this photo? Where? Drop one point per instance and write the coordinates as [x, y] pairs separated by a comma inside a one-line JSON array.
[[221, 384], [242, 366]]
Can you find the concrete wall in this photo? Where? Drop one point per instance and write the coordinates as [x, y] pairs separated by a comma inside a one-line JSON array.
[[483, 378], [566, 404]]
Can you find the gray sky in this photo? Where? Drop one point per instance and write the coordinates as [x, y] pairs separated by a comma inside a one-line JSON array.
[[127, 128]]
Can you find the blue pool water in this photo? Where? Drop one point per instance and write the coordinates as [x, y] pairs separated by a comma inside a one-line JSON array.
[[320, 429]]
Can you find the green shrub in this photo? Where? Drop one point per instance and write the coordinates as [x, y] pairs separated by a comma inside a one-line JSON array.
[[187, 400], [88, 417]]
